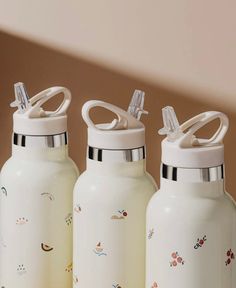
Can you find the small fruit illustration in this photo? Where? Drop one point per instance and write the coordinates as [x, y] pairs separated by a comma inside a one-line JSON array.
[[116, 286], [176, 260], [99, 250], [150, 233], [69, 268], [21, 269], [2, 242], [174, 255], [154, 285], [4, 191], [68, 219], [21, 221], [179, 260], [230, 256], [48, 195], [46, 248], [122, 214], [75, 279], [77, 208], [200, 242]]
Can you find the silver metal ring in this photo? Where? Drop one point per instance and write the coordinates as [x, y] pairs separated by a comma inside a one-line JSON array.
[[104, 155], [50, 141], [192, 174]]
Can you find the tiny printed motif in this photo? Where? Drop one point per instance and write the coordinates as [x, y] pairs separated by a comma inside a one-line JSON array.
[[154, 285], [75, 279], [230, 257], [2, 242], [48, 196], [46, 248], [121, 215], [77, 208], [22, 221], [4, 191], [21, 269], [116, 286], [150, 233], [200, 242], [99, 250], [69, 268], [68, 219], [176, 260]]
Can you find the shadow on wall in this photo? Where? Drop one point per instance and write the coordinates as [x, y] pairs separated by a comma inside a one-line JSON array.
[[39, 68]]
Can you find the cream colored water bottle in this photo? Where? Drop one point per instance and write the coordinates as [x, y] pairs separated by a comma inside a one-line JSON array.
[[191, 221], [36, 196], [110, 200]]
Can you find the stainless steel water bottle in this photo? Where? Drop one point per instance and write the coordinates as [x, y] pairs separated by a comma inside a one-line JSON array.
[[110, 200], [191, 221], [36, 196]]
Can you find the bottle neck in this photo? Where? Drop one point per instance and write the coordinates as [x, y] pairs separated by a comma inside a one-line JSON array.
[[203, 182], [125, 169]]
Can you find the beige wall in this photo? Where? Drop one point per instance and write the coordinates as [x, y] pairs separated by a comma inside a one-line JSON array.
[[40, 67], [185, 44]]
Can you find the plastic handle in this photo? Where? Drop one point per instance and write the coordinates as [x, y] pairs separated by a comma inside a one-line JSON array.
[[42, 97], [124, 119], [199, 121]]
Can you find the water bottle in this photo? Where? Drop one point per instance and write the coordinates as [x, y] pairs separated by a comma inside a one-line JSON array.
[[110, 200], [36, 196], [191, 221]]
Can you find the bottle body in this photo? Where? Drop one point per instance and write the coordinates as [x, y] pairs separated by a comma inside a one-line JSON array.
[[110, 202], [36, 218], [191, 236]]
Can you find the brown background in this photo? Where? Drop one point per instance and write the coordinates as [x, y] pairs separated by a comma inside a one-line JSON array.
[[39, 68]]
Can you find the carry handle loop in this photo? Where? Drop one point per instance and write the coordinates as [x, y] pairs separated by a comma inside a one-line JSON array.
[[196, 123], [42, 97], [123, 121]]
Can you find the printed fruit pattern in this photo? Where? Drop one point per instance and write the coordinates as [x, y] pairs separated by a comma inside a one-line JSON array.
[[21, 269], [176, 259], [77, 208], [75, 279], [68, 219], [116, 286], [69, 268], [150, 233], [99, 250], [21, 221], [154, 285], [48, 195], [122, 214], [4, 191], [46, 248], [200, 242], [230, 256]]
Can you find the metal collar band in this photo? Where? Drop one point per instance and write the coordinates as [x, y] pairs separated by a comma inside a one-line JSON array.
[[50, 141], [191, 174], [129, 155]]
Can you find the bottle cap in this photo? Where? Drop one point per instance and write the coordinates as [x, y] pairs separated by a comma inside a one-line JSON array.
[[32, 119], [181, 148], [124, 132]]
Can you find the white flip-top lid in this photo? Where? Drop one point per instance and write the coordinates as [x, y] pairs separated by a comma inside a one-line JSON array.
[[181, 148], [124, 132], [31, 119]]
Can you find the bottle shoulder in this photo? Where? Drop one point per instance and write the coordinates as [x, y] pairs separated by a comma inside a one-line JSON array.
[[15, 168], [89, 180], [191, 205], [97, 177]]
